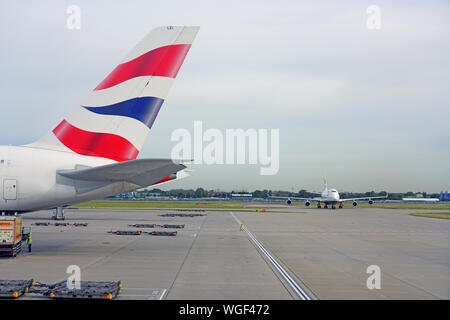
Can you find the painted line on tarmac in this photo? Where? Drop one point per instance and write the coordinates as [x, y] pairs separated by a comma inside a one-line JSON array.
[[299, 291], [163, 294], [152, 293]]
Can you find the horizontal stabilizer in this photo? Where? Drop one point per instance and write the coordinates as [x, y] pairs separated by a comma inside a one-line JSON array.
[[142, 172]]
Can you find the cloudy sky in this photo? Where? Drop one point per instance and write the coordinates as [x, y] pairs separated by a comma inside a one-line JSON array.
[[368, 109]]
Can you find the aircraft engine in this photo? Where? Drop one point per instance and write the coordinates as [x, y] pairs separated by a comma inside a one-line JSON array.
[[307, 203], [370, 201], [355, 203], [289, 201]]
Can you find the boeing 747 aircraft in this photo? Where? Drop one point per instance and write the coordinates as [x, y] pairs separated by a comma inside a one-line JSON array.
[[92, 153], [329, 197]]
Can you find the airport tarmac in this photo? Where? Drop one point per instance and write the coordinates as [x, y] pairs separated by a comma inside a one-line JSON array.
[[326, 251]]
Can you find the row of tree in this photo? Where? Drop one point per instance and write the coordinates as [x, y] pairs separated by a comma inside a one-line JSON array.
[[264, 194]]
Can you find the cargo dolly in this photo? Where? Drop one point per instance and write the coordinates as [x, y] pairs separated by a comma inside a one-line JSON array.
[[126, 232], [142, 225], [191, 215], [167, 226], [61, 224], [41, 224], [14, 288], [163, 233], [88, 290], [38, 289], [139, 232], [172, 226]]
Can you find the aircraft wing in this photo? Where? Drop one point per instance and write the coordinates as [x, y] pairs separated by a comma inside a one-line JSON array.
[[142, 172], [297, 198], [363, 198]]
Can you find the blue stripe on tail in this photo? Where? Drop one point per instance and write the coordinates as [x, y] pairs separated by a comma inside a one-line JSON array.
[[144, 109]]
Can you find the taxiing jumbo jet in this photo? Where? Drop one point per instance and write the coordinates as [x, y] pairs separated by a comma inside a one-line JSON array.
[[92, 153], [330, 197]]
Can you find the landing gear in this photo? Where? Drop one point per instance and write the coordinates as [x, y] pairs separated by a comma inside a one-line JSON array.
[[325, 206], [341, 205], [59, 214], [333, 206], [318, 205]]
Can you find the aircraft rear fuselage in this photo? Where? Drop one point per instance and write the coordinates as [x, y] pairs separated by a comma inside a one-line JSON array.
[[29, 180]]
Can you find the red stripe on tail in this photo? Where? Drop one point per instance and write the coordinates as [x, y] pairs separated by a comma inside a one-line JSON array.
[[164, 61], [104, 145]]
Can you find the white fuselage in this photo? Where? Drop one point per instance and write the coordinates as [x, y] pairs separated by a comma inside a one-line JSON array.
[[330, 196], [29, 179]]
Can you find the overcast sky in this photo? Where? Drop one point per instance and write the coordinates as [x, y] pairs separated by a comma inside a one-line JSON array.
[[369, 109]]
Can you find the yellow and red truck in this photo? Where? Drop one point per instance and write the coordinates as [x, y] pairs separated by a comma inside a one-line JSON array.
[[10, 235]]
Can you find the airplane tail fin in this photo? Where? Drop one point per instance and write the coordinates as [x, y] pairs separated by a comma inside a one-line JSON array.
[[325, 184], [114, 119]]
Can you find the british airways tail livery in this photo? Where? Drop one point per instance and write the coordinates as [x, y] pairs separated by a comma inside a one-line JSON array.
[[92, 152]]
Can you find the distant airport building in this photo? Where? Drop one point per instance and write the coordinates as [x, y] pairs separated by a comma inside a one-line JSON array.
[[419, 198], [445, 196], [153, 194], [128, 195], [242, 196]]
